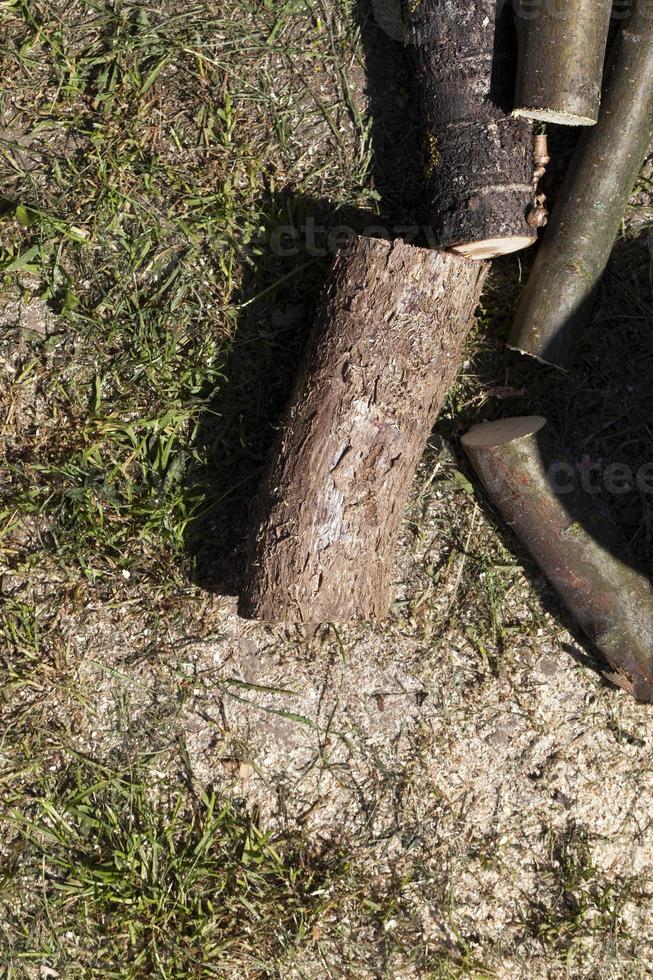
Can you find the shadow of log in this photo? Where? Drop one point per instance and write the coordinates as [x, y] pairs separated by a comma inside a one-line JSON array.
[[600, 412], [276, 306], [398, 169], [599, 442], [504, 61]]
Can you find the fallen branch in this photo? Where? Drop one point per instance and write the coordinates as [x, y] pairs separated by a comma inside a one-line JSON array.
[[387, 347], [560, 66], [557, 301], [479, 160], [579, 554]]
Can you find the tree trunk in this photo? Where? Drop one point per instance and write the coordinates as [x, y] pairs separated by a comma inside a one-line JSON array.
[[479, 160], [387, 347], [581, 555], [588, 212], [561, 54]]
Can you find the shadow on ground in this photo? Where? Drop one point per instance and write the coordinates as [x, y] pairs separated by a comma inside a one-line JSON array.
[[599, 413], [398, 165], [277, 302], [599, 417]]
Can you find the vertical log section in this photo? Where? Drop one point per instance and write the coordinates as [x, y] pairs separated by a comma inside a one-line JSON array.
[[561, 54], [557, 300], [611, 601], [388, 344], [479, 160]]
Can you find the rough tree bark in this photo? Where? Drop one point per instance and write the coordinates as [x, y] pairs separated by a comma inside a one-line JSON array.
[[557, 300], [561, 54], [479, 160], [387, 346], [579, 554]]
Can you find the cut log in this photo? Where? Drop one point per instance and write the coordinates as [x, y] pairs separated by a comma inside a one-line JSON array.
[[479, 160], [388, 344], [561, 54], [579, 551], [558, 297]]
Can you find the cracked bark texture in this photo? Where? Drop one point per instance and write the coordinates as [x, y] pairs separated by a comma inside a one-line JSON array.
[[579, 550], [478, 159], [388, 344]]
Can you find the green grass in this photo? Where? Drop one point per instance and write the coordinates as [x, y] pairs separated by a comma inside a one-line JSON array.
[[584, 903], [144, 880], [134, 215]]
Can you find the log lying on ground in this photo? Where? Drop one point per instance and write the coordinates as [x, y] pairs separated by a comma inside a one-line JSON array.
[[557, 301], [561, 54], [479, 160], [579, 554], [387, 347]]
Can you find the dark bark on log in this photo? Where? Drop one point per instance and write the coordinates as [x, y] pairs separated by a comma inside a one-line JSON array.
[[557, 301], [479, 160], [611, 601], [387, 347], [561, 54]]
